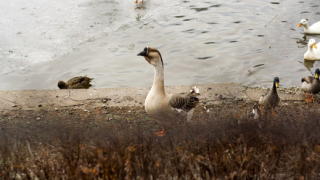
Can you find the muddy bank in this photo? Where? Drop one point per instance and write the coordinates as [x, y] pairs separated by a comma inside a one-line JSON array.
[[114, 139], [54, 100], [106, 133], [90, 107]]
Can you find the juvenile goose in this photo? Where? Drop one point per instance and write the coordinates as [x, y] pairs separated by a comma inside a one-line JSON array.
[[311, 85], [313, 29], [158, 102], [271, 99], [80, 82], [313, 53]]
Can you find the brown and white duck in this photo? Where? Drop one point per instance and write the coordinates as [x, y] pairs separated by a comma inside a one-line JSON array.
[[311, 85], [80, 82]]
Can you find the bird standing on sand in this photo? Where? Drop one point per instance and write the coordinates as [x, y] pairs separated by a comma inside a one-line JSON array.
[[80, 82], [313, 29], [311, 85], [271, 99], [158, 102]]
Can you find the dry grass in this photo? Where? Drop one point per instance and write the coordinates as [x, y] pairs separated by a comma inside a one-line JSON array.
[[220, 147]]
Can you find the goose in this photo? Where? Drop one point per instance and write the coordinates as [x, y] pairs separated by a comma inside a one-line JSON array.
[[313, 53], [80, 82], [160, 103], [271, 99], [311, 85], [313, 29]]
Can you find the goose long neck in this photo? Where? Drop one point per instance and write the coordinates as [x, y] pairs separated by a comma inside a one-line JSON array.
[[158, 82]]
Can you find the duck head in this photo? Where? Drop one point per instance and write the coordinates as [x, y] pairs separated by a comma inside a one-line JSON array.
[[312, 43], [317, 74], [303, 22], [62, 85], [152, 55], [276, 82]]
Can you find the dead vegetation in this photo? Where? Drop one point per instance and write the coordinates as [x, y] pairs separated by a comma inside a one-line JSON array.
[[216, 146]]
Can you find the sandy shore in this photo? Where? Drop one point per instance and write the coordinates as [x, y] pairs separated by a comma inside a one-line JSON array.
[[210, 94]]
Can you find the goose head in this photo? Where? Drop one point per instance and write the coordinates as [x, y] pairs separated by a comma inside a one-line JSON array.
[[276, 82], [62, 85], [303, 22], [152, 55], [317, 72], [312, 43]]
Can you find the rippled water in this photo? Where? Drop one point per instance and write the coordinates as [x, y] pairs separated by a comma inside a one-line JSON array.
[[246, 42]]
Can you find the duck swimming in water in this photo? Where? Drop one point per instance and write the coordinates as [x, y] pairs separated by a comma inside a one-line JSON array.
[[313, 52], [313, 29]]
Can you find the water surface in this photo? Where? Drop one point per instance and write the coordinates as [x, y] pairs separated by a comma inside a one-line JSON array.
[[247, 42]]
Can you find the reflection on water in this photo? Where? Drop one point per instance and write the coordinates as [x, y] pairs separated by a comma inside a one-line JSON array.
[[200, 42], [308, 64]]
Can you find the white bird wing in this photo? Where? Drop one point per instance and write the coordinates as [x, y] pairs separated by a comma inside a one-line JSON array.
[[316, 25]]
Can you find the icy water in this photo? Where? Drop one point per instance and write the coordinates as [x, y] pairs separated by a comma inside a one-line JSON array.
[[247, 42]]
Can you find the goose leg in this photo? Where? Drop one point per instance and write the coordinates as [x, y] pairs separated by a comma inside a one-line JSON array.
[[141, 1], [136, 1], [273, 112], [161, 133], [261, 110]]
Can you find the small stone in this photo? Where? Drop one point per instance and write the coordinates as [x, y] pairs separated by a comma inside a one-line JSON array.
[[38, 118], [56, 109], [208, 110], [14, 105], [40, 105], [104, 100]]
